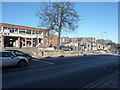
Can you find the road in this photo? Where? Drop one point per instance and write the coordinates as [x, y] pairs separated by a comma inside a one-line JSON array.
[[62, 72]]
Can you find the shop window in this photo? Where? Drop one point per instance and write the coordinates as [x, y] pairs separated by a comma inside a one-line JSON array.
[[23, 39], [40, 40], [28, 38], [35, 42], [23, 44]]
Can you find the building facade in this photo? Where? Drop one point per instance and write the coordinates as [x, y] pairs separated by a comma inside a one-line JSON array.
[[82, 43], [21, 36]]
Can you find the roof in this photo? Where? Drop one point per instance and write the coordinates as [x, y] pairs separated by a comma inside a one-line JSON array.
[[12, 50], [19, 26], [4, 51]]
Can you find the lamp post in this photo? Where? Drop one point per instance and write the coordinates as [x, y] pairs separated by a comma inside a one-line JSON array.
[[102, 40]]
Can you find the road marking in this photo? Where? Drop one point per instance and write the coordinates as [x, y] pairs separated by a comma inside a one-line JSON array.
[[100, 81], [38, 60]]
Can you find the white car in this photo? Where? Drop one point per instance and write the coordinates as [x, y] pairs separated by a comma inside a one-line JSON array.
[[102, 52], [9, 59]]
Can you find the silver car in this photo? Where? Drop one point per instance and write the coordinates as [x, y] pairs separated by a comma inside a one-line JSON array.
[[9, 59]]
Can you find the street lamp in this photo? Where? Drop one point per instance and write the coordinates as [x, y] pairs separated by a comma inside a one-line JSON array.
[[102, 40]]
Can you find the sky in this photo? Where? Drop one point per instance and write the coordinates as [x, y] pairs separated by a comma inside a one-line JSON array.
[[98, 18]]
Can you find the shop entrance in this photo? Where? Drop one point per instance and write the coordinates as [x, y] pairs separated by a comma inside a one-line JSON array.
[[11, 41], [28, 43]]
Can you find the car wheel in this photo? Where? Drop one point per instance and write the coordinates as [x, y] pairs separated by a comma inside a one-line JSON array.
[[22, 63]]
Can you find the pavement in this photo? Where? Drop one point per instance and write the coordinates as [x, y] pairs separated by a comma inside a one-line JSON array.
[[68, 55], [65, 55]]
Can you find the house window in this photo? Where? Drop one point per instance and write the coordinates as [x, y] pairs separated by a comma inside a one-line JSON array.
[[22, 31], [34, 32], [12, 30], [84, 41], [16, 30], [40, 32], [28, 32], [0, 28], [9, 28], [46, 33], [88, 46], [4, 28]]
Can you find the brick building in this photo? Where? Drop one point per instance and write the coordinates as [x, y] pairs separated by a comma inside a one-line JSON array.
[[22, 36], [53, 40]]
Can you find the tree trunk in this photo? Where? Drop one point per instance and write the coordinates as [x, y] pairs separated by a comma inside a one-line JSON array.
[[58, 40]]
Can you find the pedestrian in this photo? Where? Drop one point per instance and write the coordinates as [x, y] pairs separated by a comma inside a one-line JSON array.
[[42, 53]]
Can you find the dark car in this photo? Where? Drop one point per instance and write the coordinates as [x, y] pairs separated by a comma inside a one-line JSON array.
[[20, 53], [65, 48]]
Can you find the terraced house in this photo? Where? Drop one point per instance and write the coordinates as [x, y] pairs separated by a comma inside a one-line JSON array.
[[22, 36]]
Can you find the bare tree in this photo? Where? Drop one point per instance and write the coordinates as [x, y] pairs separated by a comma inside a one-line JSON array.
[[58, 16]]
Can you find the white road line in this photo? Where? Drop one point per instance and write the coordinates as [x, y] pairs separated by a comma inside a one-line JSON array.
[[42, 61], [92, 85]]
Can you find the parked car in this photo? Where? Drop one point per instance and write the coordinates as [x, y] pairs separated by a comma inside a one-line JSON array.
[[99, 52], [20, 53], [8, 58], [102, 52], [65, 48]]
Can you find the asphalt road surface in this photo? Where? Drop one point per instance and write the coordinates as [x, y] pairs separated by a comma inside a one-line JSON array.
[[62, 72]]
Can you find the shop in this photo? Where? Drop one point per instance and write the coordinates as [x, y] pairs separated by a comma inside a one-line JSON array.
[[21, 36]]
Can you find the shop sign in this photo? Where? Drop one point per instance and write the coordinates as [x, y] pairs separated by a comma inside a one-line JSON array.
[[20, 35], [4, 34]]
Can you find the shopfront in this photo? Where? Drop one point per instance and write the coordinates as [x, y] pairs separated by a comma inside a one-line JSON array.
[[20, 36]]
